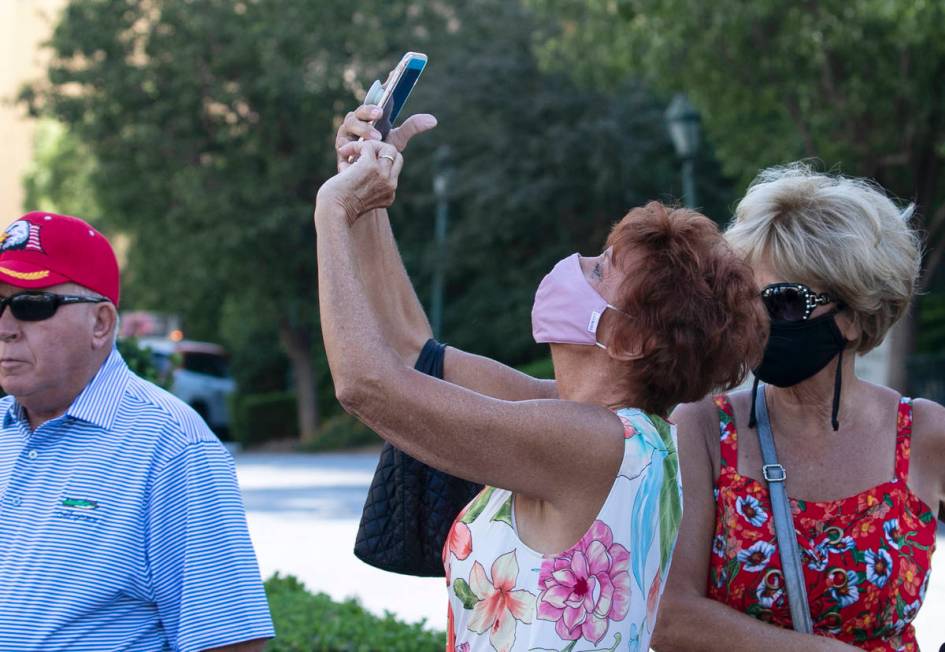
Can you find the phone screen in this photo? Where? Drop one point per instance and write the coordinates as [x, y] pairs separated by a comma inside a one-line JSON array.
[[406, 83], [413, 64]]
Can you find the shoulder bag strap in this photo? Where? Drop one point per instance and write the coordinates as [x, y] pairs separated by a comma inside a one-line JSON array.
[[775, 476]]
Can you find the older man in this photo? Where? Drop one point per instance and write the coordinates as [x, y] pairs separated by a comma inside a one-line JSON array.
[[121, 523]]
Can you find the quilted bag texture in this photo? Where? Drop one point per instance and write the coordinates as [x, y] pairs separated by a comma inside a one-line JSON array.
[[410, 506]]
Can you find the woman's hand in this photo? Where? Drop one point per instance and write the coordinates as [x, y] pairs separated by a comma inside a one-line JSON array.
[[369, 183], [357, 125]]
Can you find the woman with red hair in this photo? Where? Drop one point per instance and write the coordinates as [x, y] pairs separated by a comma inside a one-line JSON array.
[[570, 542]]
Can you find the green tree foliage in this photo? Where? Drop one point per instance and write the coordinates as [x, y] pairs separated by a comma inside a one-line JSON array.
[[857, 84], [59, 178], [932, 333], [211, 124], [540, 166]]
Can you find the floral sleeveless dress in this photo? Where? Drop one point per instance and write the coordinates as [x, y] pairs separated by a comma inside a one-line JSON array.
[[866, 558], [600, 594]]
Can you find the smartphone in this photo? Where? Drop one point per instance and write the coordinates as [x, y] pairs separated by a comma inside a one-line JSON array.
[[393, 93]]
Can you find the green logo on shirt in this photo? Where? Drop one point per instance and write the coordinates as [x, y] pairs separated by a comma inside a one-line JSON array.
[[79, 503]]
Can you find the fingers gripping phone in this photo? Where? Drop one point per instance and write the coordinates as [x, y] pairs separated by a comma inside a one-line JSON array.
[[393, 93]]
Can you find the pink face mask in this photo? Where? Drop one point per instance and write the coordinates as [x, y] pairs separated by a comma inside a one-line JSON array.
[[567, 308]]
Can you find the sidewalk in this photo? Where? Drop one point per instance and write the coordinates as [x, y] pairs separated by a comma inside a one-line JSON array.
[[303, 513]]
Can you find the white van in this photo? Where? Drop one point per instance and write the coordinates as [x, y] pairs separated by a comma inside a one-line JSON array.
[[201, 376]]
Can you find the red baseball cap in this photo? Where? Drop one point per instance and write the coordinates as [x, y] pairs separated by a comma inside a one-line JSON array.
[[40, 250]]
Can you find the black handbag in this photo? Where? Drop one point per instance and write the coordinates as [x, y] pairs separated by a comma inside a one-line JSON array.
[[410, 506]]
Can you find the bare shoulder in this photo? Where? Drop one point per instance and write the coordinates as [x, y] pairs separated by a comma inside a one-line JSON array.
[[697, 429], [928, 429], [740, 400], [928, 452], [928, 416], [700, 416]]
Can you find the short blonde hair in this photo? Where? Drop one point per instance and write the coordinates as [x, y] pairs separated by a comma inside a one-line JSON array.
[[839, 234]]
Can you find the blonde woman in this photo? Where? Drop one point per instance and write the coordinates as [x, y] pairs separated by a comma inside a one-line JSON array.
[[836, 264]]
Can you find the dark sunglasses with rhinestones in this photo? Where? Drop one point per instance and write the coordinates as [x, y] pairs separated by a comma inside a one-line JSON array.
[[792, 301], [37, 306]]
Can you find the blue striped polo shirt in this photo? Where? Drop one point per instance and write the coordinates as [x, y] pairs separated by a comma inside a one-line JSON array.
[[122, 527]]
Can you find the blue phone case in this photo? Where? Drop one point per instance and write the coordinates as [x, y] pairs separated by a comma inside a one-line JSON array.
[[397, 98]]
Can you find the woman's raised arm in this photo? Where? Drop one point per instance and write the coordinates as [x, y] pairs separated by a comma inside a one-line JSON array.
[[391, 294], [573, 449]]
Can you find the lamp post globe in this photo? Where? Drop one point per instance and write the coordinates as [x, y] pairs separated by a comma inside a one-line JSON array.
[[684, 126]]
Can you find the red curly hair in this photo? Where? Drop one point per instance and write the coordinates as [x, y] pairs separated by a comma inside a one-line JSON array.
[[696, 318]]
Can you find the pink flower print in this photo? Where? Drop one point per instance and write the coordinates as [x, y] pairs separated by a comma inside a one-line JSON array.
[[499, 606], [587, 586], [462, 647], [459, 544], [629, 430], [459, 540], [653, 600]]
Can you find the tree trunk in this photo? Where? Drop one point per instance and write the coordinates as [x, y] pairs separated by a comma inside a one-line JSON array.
[[925, 163], [298, 346], [901, 344]]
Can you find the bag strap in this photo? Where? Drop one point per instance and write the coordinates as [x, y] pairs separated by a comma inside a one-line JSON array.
[[430, 360], [775, 475]]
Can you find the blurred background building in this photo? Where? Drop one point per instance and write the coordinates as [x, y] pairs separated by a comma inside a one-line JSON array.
[[24, 25]]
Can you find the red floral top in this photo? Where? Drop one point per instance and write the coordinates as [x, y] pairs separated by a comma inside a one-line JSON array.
[[866, 558]]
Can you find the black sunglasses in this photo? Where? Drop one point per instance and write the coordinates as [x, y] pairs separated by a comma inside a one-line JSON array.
[[792, 301], [37, 306]]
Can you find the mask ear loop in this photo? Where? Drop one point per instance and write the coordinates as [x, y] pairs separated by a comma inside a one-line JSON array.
[[834, 416], [835, 412], [615, 309]]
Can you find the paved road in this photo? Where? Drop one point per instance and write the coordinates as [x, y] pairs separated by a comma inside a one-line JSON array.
[[303, 513]]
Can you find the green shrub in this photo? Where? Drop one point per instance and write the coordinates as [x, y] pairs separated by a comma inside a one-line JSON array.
[[542, 368], [141, 362], [340, 432], [930, 329], [308, 622], [258, 418]]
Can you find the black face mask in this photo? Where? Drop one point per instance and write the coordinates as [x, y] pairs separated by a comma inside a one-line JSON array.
[[797, 350]]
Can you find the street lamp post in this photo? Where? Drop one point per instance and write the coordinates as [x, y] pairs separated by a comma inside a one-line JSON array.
[[683, 122], [441, 180]]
